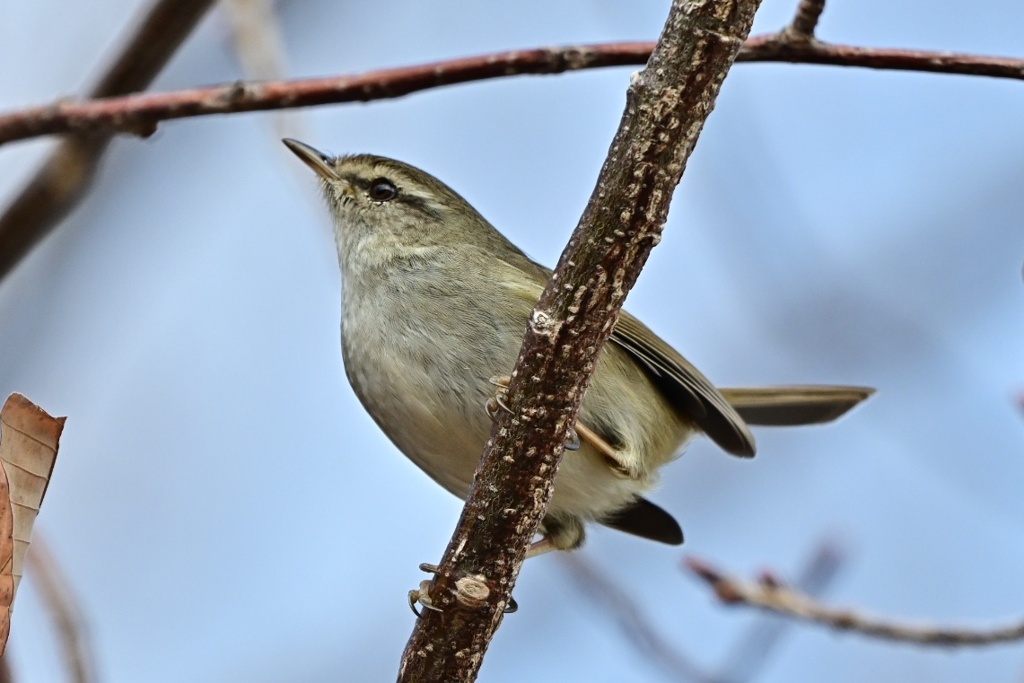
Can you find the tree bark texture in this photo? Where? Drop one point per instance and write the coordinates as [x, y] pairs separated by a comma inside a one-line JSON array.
[[666, 106]]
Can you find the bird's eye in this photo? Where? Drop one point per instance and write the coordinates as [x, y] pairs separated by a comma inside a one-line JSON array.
[[382, 190]]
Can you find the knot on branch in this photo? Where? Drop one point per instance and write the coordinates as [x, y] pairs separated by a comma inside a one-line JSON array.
[[472, 591], [239, 92]]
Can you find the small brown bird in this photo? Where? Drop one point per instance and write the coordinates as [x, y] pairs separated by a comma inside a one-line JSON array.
[[435, 302]]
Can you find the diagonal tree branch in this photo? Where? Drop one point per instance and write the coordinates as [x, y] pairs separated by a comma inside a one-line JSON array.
[[666, 106], [768, 594], [64, 178]]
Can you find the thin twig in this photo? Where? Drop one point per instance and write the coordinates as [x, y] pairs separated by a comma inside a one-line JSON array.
[[775, 48], [767, 594], [806, 20], [57, 596], [139, 114], [65, 176], [62, 181], [749, 654], [666, 106], [635, 626]]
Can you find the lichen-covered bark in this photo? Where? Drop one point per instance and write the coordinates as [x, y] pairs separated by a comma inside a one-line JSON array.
[[666, 106]]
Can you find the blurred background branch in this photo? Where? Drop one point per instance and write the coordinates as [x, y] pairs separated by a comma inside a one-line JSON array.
[[259, 46], [749, 653], [768, 593], [634, 625], [58, 597], [64, 178], [877, 239]]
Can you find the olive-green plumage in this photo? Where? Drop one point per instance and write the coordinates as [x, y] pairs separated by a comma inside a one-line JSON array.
[[435, 302]]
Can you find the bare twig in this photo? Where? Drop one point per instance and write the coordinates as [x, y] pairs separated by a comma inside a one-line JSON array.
[[62, 181], [776, 48], [666, 106], [139, 114], [58, 597], [769, 595], [806, 20], [633, 623], [748, 656]]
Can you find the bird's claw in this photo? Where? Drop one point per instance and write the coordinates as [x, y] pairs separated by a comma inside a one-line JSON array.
[[421, 595], [497, 402]]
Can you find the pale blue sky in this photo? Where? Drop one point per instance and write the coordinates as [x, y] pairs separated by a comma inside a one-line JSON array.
[[225, 509]]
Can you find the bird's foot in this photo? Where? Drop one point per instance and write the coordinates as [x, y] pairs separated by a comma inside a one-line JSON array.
[[498, 402], [421, 596]]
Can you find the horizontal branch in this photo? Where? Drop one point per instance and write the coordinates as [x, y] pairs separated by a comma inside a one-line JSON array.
[[768, 594], [140, 114], [777, 47]]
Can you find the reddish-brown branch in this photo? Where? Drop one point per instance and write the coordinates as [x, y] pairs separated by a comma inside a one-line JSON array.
[[140, 114], [776, 48], [62, 181], [768, 594]]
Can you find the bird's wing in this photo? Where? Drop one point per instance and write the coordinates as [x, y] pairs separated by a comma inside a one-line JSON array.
[[685, 386], [679, 381]]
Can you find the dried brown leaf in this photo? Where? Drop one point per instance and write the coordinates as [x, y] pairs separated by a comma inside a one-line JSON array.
[[28, 449]]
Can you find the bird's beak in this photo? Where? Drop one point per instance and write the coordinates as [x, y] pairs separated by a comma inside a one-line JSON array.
[[315, 159]]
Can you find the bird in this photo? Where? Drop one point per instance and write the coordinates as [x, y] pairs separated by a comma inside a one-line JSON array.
[[435, 303]]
